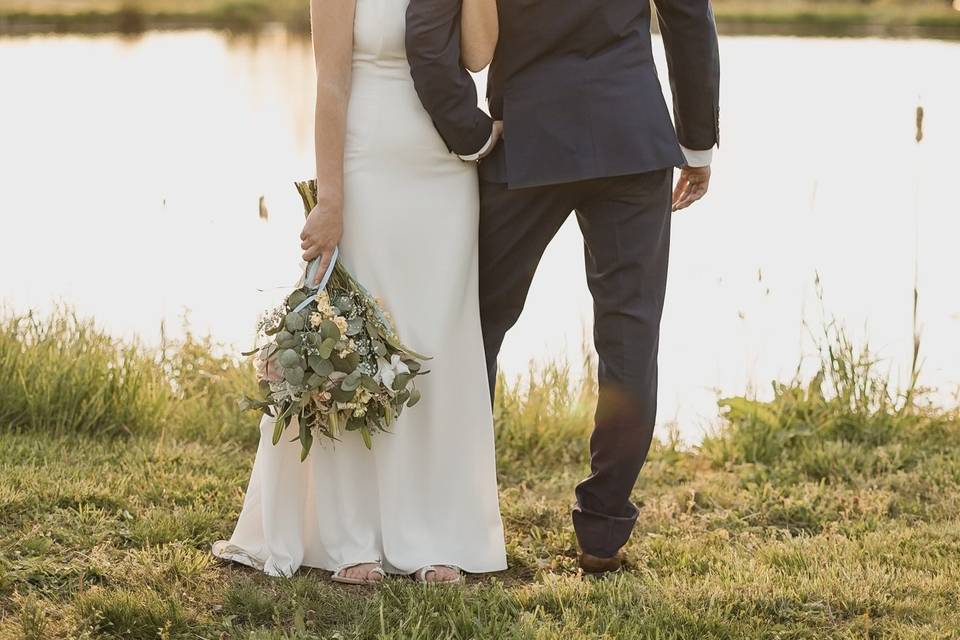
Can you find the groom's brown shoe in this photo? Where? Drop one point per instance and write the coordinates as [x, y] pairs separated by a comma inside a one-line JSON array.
[[597, 566]]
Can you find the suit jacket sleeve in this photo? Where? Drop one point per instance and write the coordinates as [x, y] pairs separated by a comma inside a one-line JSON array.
[[693, 57], [445, 87]]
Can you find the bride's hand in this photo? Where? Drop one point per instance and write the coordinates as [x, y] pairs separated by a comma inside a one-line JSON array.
[[321, 234]]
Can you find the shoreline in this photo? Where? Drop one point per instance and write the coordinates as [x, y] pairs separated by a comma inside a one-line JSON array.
[[250, 18]]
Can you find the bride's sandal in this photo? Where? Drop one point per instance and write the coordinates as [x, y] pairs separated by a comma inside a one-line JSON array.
[[421, 575], [340, 575]]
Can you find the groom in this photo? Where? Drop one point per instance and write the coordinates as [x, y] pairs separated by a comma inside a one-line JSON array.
[[585, 129]]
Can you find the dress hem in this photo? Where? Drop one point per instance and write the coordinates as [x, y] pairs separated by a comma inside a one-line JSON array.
[[233, 553]]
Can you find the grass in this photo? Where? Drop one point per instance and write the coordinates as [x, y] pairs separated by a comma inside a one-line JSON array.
[[808, 16], [829, 511], [827, 16]]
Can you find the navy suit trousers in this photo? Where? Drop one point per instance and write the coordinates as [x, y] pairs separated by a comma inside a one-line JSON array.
[[626, 230]]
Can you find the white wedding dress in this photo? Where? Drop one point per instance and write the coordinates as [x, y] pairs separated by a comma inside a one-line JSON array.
[[427, 493]]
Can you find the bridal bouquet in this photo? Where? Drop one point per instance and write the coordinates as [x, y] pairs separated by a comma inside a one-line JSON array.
[[331, 357]]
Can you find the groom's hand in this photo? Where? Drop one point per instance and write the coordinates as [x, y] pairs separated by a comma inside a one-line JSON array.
[[321, 235], [496, 135], [692, 185]]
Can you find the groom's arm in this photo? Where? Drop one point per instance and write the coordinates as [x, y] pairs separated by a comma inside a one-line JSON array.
[[690, 40], [445, 88]]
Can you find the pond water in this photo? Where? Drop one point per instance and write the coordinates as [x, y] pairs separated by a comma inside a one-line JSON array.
[[131, 169]]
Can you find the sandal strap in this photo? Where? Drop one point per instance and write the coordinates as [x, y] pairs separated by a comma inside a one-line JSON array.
[[423, 571], [376, 570]]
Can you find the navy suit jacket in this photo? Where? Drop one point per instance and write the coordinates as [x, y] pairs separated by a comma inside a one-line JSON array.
[[575, 84]]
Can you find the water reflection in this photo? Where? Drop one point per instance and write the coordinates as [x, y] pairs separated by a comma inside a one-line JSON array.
[[131, 172]]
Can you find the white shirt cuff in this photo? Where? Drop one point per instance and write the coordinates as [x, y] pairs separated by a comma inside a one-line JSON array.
[[473, 157], [698, 158]]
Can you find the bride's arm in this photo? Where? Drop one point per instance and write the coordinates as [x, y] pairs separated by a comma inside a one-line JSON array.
[[332, 24], [479, 33]]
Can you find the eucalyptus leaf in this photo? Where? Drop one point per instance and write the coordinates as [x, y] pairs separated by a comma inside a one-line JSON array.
[[288, 358], [354, 326], [346, 365], [344, 303], [350, 384], [294, 375], [325, 350], [400, 382], [353, 361], [294, 322], [295, 298], [320, 366], [329, 330], [370, 384], [414, 397], [340, 395], [326, 368]]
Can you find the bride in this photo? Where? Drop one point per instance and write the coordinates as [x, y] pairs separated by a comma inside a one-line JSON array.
[[404, 211]]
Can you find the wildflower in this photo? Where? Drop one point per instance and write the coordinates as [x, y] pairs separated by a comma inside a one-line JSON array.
[[324, 308], [341, 323], [316, 319]]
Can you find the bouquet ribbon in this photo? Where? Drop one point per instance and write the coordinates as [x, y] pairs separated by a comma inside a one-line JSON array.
[[311, 274]]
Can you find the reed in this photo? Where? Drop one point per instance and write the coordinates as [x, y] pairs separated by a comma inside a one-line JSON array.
[[133, 16], [63, 375], [544, 419], [60, 374]]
